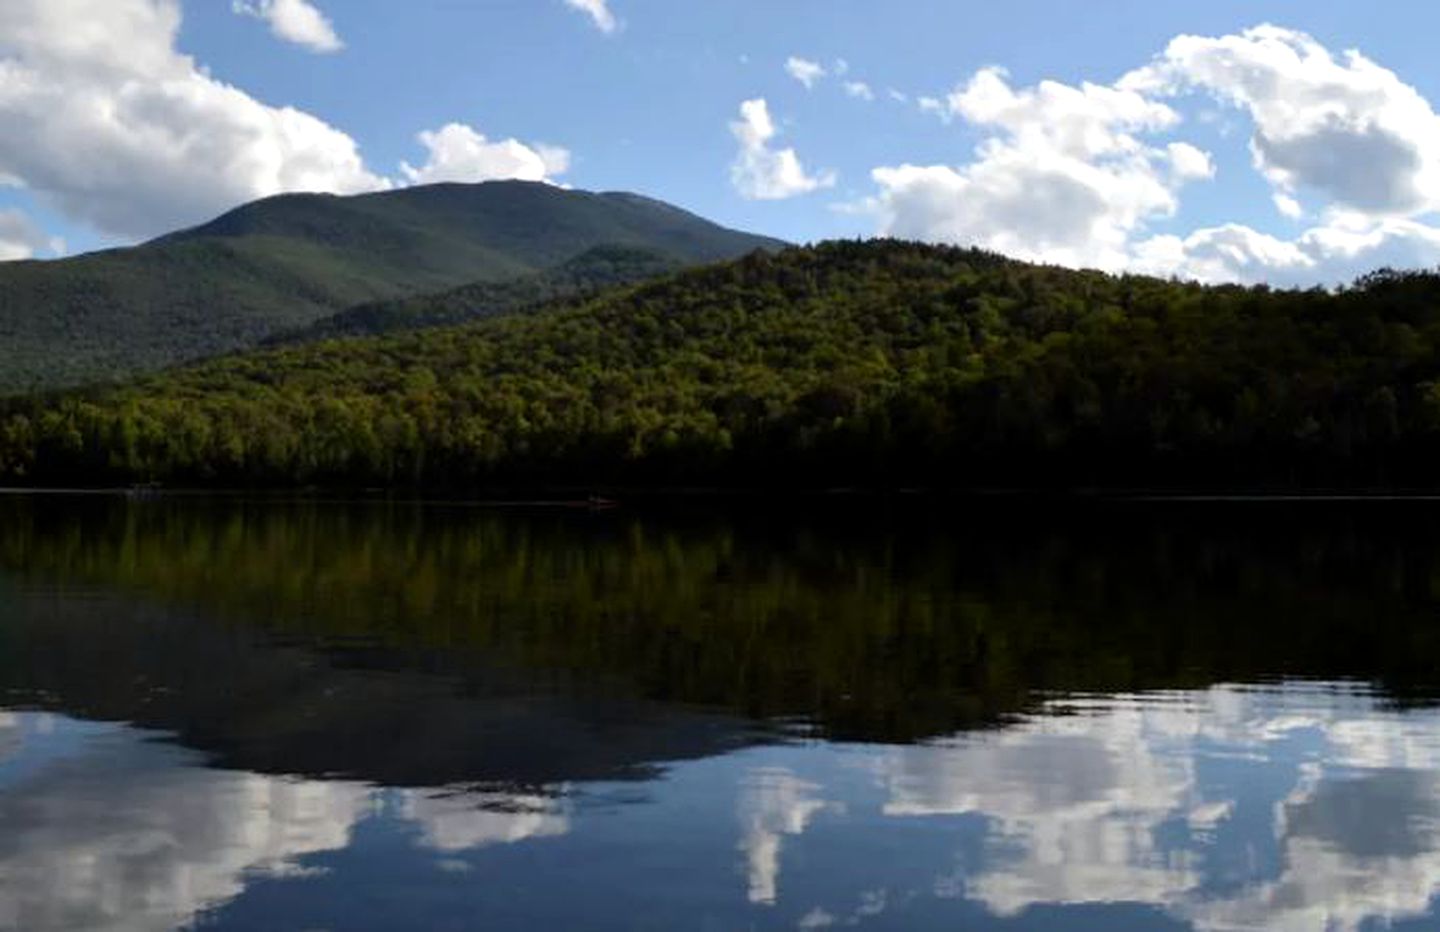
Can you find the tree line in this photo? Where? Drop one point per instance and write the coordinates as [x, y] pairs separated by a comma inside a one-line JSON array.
[[869, 364]]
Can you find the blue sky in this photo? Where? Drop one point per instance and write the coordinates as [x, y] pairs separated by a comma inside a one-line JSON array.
[[651, 103]]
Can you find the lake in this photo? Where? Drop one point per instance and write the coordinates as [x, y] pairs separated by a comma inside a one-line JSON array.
[[229, 714]]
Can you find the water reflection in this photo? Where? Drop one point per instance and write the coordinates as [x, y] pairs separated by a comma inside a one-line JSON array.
[[108, 828], [105, 829], [300, 717], [1295, 807], [462, 820], [774, 804]]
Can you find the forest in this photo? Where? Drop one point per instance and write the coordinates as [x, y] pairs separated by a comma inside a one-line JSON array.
[[590, 271], [860, 365]]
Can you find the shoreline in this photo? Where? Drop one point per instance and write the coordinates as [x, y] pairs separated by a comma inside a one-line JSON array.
[[603, 498]]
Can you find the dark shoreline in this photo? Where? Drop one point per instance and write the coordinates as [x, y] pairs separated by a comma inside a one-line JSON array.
[[603, 498]]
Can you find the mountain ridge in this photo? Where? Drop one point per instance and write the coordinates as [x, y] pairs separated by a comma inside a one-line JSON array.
[[285, 262]]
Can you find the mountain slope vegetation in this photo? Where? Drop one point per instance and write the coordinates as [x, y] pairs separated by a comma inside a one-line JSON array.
[[861, 364], [593, 270], [289, 261]]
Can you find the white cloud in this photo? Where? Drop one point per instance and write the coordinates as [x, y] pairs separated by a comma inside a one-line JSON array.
[[859, 90], [20, 238], [1065, 177], [1340, 250], [1089, 121], [1345, 128], [1287, 205], [459, 153], [1217, 254], [761, 172], [1187, 162], [297, 21], [1073, 174], [107, 121], [805, 71], [598, 11]]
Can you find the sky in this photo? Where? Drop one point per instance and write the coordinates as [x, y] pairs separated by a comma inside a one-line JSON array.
[[1293, 143]]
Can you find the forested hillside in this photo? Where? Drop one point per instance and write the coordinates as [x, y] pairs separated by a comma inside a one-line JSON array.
[[286, 262], [593, 270], [858, 364]]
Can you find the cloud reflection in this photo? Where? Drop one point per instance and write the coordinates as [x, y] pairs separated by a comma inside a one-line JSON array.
[[774, 803], [1073, 802], [116, 836], [1300, 807], [110, 829], [1134, 799], [454, 822]]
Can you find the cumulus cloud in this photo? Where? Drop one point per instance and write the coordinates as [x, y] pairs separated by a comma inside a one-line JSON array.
[[118, 130], [805, 71], [1064, 178], [1340, 250], [1342, 129], [762, 172], [598, 11], [297, 21], [20, 238], [1345, 128], [107, 121], [460, 153], [1078, 175]]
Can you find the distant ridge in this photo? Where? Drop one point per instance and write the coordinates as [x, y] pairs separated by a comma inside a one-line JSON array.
[[285, 262]]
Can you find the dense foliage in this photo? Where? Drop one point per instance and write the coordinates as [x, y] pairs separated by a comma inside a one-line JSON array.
[[590, 271], [878, 363], [288, 261]]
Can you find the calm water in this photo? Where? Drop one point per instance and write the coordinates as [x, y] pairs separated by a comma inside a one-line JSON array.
[[323, 716]]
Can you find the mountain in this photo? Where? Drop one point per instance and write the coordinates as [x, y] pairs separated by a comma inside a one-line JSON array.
[[592, 270], [286, 262], [879, 364]]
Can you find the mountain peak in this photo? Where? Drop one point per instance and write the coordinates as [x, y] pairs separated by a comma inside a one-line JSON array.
[[287, 261]]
